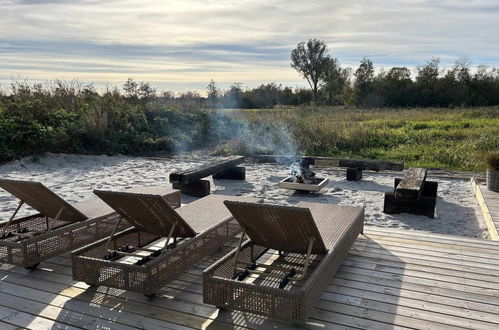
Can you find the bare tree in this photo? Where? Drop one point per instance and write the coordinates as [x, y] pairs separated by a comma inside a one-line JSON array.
[[212, 93], [310, 60]]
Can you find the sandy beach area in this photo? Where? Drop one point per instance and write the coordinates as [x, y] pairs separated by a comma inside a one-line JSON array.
[[75, 176]]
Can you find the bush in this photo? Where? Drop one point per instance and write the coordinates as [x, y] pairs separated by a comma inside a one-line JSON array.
[[71, 118], [493, 161]]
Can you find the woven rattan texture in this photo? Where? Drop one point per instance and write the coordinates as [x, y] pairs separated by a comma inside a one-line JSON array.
[[88, 265], [42, 199], [66, 236], [148, 213], [208, 215], [339, 227], [31, 251]]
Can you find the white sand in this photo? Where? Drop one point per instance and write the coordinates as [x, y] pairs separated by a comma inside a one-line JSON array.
[[75, 176]]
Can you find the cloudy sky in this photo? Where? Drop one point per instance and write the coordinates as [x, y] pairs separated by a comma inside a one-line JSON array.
[[182, 44]]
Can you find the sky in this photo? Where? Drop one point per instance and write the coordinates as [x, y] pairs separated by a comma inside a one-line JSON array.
[[180, 45]]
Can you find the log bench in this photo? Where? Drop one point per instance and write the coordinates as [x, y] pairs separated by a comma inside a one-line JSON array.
[[412, 194], [191, 181], [354, 166]]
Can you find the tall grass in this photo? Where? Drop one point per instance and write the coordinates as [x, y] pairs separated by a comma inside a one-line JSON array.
[[457, 139]]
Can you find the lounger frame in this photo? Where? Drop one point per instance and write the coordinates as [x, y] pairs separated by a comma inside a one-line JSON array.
[[29, 252], [222, 290], [90, 267], [55, 237]]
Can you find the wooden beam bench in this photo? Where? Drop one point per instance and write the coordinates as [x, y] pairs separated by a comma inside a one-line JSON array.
[[191, 181], [354, 166], [412, 194]]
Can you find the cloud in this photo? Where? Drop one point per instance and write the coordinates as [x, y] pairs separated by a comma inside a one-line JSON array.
[[177, 43]]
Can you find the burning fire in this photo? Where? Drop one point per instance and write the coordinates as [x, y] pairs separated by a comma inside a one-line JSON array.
[[302, 174]]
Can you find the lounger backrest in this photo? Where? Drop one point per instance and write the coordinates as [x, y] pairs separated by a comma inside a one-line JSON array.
[[284, 228], [147, 212], [42, 199]]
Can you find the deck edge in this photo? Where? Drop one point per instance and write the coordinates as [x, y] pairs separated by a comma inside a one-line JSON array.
[[491, 227]]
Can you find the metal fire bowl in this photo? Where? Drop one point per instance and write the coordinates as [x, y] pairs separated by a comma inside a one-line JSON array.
[[288, 183]]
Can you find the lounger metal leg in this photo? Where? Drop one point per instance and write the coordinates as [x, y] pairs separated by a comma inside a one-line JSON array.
[[109, 240], [238, 250], [12, 217], [307, 259], [170, 234], [55, 218]]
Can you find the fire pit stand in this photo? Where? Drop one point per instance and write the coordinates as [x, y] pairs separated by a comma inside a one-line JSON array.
[[302, 179], [288, 183]]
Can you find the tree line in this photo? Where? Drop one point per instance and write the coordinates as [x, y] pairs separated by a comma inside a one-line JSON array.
[[395, 87], [428, 85]]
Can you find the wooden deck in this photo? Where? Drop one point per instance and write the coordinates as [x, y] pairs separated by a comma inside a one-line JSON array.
[[391, 279], [489, 204]]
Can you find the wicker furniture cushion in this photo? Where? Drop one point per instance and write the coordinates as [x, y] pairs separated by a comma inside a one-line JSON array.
[[152, 214], [332, 221], [208, 211], [285, 228]]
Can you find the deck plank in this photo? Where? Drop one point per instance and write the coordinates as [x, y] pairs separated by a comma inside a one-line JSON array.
[[391, 279]]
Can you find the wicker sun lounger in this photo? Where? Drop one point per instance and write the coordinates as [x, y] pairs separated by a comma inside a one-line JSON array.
[[310, 243], [128, 261], [59, 226]]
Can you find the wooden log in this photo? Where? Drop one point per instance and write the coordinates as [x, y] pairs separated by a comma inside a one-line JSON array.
[[430, 188], [423, 206], [374, 165], [200, 188], [285, 159], [354, 174], [327, 162], [410, 186], [195, 174], [234, 173]]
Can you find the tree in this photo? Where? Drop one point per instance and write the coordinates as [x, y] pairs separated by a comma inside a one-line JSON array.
[[286, 96], [395, 86], [264, 96], [454, 87], [212, 93], [145, 91], [131, 88], [234, 96], [364, 78], [485, 86], [311, 60], [335, 78], [428, 73], [427, 79]]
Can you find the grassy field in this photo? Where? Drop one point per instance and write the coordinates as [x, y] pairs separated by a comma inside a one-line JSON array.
[[457, 139]]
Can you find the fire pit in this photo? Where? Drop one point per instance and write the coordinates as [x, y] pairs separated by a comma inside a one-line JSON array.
[[303, 179]]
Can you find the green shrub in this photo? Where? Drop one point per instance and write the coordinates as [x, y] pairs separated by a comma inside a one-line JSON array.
[[493, 161]]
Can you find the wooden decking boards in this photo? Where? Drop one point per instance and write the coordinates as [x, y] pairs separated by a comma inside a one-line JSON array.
[[391, 279], [489, 205]]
